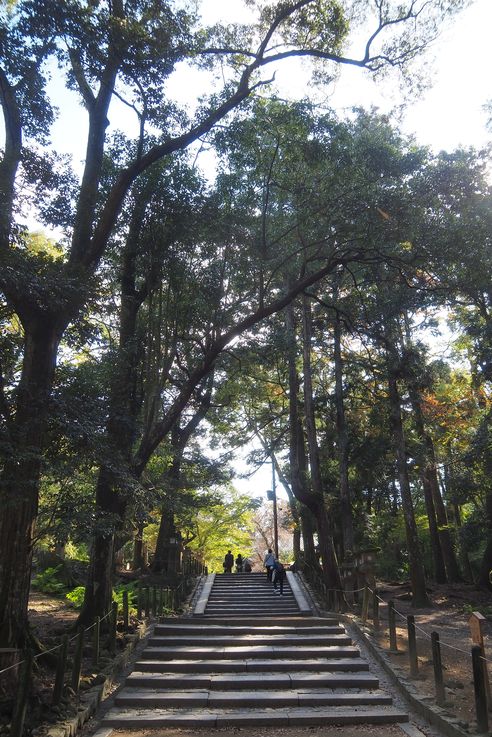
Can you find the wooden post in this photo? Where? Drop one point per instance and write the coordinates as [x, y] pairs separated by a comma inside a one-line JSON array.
[[139, 602], [477, 622], [480, 691], [77, 661], [154, 601], [412, 646], [160, 602], [113, 625], [126, 614], [375, 610], [60, 671], [437, 663], [17, 725], [147, 602], [365, 604], [96, 642], [392, 627]]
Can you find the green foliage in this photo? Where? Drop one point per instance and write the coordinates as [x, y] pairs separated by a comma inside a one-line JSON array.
[[76, 596], [48, 582]]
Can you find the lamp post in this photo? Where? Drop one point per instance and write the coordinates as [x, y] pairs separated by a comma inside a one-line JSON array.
[[272, 496]]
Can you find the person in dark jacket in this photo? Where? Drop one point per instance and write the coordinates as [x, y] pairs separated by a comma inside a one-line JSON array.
[[278, 577], [228, 562], [239, 563]]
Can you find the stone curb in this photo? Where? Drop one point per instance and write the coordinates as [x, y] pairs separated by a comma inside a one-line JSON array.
[[434, 714], [91, 699]]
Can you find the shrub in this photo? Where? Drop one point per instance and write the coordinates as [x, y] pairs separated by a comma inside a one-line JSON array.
[[48, 581], [76, 596]]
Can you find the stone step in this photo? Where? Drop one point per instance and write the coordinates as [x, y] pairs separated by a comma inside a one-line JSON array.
[[152, 699], [248, 639], [297, 620], [249, 681], [250, 651], [141, 718], [238, 610], [252, 665], [208, 627]]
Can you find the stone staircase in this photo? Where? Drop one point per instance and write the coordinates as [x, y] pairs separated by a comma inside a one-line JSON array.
[[228, 669], [249, 594]]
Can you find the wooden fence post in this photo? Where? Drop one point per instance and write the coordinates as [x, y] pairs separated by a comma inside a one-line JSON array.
[[139, 602], [412, 646], [113, 619], [392, 627], [154, 601], [17, 725], [375, 609], [437, 663], [60, 671], [126, 612], [147, 602], [480, 690], [365, 604], [77, 661], [96, 642]]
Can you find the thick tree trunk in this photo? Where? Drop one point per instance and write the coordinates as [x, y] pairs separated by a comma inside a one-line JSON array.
[[20, 480], [444, 555], [417, 576], [342, 445], [325, 529], [465, 560]]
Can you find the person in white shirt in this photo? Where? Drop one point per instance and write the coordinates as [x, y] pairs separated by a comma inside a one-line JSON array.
[[269, 563]]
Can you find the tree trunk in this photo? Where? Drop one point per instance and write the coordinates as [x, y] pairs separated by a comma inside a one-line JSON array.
[[425, 476], [325, 531], [20, 480], [342, 445], [138, 548], [417, 576]]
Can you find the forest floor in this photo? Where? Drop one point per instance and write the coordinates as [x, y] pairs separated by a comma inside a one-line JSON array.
[[451, 608], [51, 617]]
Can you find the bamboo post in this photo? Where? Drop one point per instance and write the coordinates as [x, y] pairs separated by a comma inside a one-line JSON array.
[[375, 609], [392, 627], [96, 642], [412, 646], [126, 612], [60, 671], [19, 715], [77, 661], [113, 625], [437, 663], [480, 690], [365, 604]]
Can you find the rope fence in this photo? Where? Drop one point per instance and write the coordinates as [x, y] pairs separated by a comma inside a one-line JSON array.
[[339, 599], [148, 601]]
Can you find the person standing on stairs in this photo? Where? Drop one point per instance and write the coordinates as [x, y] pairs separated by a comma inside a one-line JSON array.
[[239, 563], [228, 562], [278, 577], [268, 563]]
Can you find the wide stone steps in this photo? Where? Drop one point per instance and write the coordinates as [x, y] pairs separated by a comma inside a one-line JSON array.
[[249, 681], [274, 698], [236, 594], [240, 652], [253, 665], [259, 667], [128, 718], [242, 640]]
